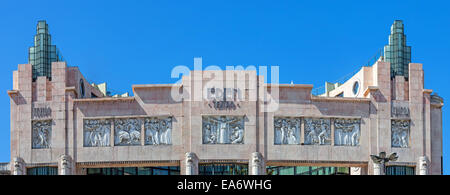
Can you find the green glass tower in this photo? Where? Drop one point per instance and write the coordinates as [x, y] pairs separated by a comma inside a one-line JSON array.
[[43, 53], [397, 53]]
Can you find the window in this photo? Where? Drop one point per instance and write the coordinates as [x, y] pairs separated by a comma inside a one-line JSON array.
[[42, 171], [356, 88], [171, 170], [399, 170], [81, 88], [223, 169]]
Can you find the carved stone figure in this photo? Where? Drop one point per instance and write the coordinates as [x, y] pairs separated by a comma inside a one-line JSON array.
[[423, 165], [127, 132], [65, 165], [347, 132], [42, 131], [287, 130], [400, 133], [97, 132], [380, 161], [317, 131], [18, 166], [191, 163], [158, 131], [257, 163], [223, 130]]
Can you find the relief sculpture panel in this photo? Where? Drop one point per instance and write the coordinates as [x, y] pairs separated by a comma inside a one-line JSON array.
[[127, 132], [223, 129], [97, 132], [287, 130], [42, 134], [158, 131], [400, 133], [347, 132], [317, 131]]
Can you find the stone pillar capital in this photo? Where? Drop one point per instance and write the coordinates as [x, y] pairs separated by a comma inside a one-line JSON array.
[[18, 166], [191, 163], [65, 165], [423, 165], [257, 164]]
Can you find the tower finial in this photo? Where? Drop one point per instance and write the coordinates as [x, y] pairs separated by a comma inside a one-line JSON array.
[[396, 52], [43, 53]]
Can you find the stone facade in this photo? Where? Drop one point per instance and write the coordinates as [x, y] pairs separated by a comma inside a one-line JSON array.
[[54, 124]]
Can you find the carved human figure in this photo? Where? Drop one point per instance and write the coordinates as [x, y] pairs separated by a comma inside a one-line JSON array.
[[18, 166], [238, 135], [191, 163], [317, 131], [158, 130], [41, 134], [287, 130], [400, 133], [128, 131], [347, 132], [167, 128], [222, 130], [97, 132]]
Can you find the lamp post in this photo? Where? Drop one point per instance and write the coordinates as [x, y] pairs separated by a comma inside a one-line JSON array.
[[379, 162]]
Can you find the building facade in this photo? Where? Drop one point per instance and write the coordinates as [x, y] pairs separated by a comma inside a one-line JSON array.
[[225, 122]]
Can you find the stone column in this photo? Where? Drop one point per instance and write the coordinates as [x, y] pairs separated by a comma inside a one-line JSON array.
[[65, 165], [191, 163], [423, 165], [256, 164], [18, 166], [378, 168]]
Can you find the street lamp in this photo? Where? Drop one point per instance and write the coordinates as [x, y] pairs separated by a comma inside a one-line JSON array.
[[380, 161]]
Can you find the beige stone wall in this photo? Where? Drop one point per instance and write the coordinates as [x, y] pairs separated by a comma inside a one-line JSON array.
[[377, 97]]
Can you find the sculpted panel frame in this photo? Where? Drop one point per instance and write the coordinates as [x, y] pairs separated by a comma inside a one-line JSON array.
[[287, 130], [400, 133], [317, 131], [158, 130], [223, 129], [347, 132], [96, 132], [41, 134]]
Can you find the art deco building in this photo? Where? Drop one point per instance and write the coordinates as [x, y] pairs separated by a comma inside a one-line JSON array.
[[225, 122]]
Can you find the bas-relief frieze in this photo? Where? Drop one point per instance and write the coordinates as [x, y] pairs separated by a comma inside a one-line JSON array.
[[287, 130], [127, 132], [317, 131], [97, 132], [158, 131], [347, 132], [42, 133], [400, 133], [223, 129]]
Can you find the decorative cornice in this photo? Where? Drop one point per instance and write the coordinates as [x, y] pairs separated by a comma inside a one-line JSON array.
[[12, 92], [370, 89]]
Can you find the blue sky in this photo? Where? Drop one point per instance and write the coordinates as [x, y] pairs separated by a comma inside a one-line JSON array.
[[139, 42]]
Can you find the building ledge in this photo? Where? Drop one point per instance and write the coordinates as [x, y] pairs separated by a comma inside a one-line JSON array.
[[12, 92], [336, 99], [306, 86], [104, 99]]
